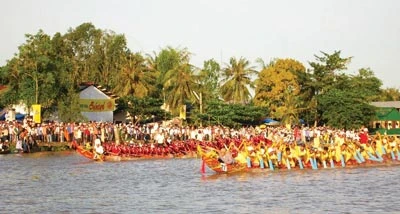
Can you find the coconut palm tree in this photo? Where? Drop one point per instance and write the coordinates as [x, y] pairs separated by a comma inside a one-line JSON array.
[[236, 81], [290, 109], [179, 83], [135, 78]]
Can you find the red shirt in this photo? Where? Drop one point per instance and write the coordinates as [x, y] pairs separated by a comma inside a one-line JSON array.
[[363, 138]]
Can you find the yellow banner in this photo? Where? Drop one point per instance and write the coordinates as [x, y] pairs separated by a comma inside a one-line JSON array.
[[36, 109], [96, 105], [182, 112]]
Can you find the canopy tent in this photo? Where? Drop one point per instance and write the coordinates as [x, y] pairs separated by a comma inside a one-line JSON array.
[[271, 122], [18, 116]]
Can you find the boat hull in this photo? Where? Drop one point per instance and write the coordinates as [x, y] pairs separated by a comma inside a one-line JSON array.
[[5, 152], [116, 158], [216, 166], [212, 162]]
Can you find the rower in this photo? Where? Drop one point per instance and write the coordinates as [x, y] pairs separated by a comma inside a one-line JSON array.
[[98, 149], [225, 158], [302, 155], [287, 158]]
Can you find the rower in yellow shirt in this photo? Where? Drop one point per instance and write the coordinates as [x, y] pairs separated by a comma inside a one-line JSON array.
[[288, 158], [323, 155], [316, 141], [373, 152], [241, 157], [392, 147], [342, 154], [302, 155]]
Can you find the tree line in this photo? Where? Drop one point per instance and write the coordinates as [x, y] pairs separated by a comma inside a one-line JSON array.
[[49, 70]]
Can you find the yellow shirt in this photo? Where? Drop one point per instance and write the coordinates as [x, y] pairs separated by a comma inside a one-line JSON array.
[[379, 146], [303, 154], [241, 158], [290, 158], [323, 155], [316, 142]]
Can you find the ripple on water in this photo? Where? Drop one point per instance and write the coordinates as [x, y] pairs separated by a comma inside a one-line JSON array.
[[68, 183]]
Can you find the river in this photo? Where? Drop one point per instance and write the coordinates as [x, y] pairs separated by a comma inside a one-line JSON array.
[[65, 182]]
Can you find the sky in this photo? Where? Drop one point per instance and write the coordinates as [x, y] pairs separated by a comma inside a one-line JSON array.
[[367, 30]]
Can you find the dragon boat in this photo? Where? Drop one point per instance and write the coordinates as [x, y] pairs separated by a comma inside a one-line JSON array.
[[109, 156], [211, 159]]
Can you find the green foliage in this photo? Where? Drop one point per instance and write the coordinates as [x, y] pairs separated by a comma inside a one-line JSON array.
[[94, 55], [135, 78], [179, 81], [324, 75], [232, 115], [69, 108], [345, 109], [48, 71], [169, 57], [208, 79], [367, 85], [389, 94], [278, 88], [236, 81], [143, 109], [10, 75], [37, 66], [325, 69]]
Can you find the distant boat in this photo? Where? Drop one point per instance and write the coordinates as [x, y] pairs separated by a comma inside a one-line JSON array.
[[88, 153], [5, 151]]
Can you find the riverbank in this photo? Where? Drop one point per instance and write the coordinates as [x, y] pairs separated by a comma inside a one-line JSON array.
[[48, 147]]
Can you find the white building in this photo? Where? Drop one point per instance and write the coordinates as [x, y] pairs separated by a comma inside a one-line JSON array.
[[97, 104]]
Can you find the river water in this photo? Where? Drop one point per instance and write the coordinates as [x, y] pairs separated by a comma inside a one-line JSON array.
[[65, 182]]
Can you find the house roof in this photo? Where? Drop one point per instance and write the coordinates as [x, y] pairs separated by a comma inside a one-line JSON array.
[[85, 85], [4, 89], [388, 114], [392, 104]]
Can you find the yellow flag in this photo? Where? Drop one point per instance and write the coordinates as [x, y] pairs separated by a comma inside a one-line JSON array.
[[36, 113], [182, 112]]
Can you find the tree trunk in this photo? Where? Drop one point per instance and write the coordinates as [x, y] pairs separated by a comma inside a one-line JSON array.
[[36, 90]]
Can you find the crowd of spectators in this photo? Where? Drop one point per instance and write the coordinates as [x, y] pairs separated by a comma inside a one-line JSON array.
[[52, 132]]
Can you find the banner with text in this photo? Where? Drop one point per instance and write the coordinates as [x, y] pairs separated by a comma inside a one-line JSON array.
[[36, 113], [96, 105]]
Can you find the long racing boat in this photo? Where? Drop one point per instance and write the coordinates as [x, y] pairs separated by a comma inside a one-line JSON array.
[[212, 159], [109, 156]]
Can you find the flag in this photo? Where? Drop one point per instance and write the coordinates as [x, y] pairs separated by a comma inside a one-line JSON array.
[[182, 112], [203, 166], [36, 113]]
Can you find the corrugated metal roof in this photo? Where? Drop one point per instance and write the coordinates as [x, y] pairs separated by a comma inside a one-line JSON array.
[[85, 85], [391, 104]]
